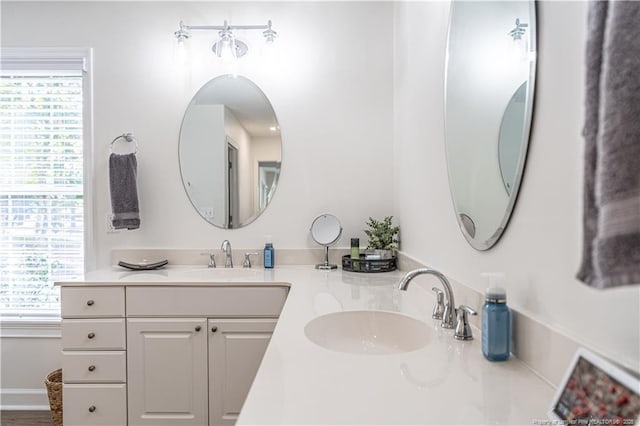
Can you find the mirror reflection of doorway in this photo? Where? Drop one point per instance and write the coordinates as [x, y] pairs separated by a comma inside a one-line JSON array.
[[232, 207], [268, 174]]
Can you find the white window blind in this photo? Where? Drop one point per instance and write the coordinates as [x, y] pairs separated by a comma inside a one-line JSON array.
[[41, 183]]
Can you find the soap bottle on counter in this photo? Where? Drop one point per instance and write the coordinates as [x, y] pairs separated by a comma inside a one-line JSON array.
[[269, 255], [355, 254], [496, 321]]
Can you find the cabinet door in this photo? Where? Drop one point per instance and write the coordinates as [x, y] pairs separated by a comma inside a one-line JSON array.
[[236, 348], [167, 371]]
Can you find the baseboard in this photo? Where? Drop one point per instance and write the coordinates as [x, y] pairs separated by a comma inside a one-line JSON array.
[[23, 399]]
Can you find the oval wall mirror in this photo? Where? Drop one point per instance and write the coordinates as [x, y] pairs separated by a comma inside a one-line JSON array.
[[489, 89], [230, 151], [326, 230]]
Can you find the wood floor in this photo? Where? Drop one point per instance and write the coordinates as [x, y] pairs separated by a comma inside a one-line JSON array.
[[25, 418]]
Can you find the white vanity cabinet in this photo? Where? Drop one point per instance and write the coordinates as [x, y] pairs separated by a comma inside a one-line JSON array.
[[236, 347], [167, 361], [177, 355], [192, 371], [93, 356]]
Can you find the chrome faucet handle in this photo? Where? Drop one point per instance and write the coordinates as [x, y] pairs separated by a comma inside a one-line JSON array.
[[438, 309], [463, 329], [212, 259], [247, 259]]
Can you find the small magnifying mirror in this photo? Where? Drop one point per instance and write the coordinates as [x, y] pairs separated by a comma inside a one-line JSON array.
[[325, 230]]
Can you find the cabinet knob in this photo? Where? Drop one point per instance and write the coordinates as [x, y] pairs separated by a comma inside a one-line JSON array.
[[198, 328], [92, 408], [92, 367], [90, 302], [91, 335], [214, 329]]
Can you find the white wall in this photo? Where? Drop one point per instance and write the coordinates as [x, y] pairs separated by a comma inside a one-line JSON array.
[[331, 91], [541, 248]]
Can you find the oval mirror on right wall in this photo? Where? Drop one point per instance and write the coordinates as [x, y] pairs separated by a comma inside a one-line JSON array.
[[489, 90]]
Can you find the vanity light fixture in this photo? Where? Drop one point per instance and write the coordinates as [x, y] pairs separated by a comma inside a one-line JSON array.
[[227, 47], [518, 31]]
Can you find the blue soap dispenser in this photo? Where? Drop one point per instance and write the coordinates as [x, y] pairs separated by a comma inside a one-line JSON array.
[[269, 255], [496, 321]]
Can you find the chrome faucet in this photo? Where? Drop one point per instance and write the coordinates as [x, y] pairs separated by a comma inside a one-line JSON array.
[[449, 313], [228, 258]]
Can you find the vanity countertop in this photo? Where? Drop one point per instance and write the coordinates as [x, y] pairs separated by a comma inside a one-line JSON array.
[[299, 382]]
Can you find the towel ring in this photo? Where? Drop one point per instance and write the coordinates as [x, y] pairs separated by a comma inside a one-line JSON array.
[[126, 136]]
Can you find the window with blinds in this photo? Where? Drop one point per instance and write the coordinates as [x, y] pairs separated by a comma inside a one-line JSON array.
[[41, 185]]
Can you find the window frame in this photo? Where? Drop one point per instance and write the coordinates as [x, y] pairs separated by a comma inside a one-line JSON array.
[[37, 57]]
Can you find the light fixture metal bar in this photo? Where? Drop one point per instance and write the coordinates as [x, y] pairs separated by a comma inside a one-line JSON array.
[[225, 33], [223, 27]]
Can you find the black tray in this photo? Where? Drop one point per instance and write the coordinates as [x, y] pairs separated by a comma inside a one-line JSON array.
[[143, 266], [364, 265]]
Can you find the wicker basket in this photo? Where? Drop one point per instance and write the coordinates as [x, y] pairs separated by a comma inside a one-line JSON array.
[[53, 381]]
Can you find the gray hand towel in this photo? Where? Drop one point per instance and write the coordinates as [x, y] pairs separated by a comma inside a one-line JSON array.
[[611, 246], [124, 191]]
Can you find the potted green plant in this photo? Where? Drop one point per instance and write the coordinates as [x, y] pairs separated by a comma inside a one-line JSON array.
[[383, 236]]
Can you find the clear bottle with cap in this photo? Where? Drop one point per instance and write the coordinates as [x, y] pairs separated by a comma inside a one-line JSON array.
[[496, 321]]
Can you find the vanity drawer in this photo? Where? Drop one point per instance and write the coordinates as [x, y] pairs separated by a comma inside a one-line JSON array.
[[221, 301], [94, 366], [90, 334], [89, 405], [79, 302]]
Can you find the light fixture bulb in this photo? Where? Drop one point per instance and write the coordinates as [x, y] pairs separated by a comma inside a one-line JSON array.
[[181, 52], [225, 47], [269, 50], [269, 34], [182, 33]]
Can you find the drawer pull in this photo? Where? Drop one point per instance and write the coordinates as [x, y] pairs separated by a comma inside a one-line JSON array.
[[90, 302], [214, 329], [198, 328], [92, 408], [92, 367], [91, 335]]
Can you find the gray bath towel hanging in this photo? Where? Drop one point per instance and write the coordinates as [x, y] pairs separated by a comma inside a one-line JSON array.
[[611, 246], [124, 191]]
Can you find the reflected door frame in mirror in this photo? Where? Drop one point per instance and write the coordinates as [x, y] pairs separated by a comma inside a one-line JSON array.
[[228, 129], [489, 93]]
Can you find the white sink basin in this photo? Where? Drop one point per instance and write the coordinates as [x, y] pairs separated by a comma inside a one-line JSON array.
[[368, 332]]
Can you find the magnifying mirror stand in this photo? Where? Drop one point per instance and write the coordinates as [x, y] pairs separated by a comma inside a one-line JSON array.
[[326, 230], [326, 266]]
